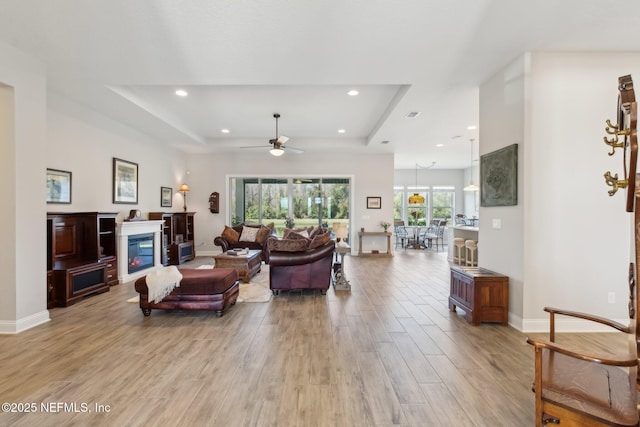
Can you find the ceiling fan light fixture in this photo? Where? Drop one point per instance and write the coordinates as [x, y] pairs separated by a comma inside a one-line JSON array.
[[276, 152]]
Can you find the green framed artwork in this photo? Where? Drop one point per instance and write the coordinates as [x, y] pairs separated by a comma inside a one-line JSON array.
[[499, 177]]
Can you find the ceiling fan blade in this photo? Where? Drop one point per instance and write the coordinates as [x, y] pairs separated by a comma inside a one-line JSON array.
[[255, 146], [292, 149], [282, 139]]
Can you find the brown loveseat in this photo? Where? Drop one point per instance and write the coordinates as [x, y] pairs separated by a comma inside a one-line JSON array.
[[256, 238], [300, 263]]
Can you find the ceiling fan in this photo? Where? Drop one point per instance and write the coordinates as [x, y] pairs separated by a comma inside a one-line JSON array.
[[278, 143]]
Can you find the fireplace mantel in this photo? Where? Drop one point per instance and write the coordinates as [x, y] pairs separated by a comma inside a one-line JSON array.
[[132, 228]]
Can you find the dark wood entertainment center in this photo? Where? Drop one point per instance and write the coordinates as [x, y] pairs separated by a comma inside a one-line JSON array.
[[177, 236], [81, 255]]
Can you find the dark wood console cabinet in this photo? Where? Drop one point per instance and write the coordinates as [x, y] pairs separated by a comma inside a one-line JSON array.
[[481, 293], [177, 236], [81, 255]]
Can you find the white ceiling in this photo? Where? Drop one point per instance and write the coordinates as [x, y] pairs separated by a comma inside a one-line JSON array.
[[243, 60]]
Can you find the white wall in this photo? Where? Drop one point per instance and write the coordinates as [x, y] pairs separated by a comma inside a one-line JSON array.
[[502, 123], [22, 172], [567, 242], [372, 176], [584, 253], [85, 143]]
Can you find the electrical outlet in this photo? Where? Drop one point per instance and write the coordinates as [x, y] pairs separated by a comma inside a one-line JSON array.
[[611, 297]]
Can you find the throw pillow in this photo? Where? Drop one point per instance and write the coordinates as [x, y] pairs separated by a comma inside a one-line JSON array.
[[304, 231], [320, 240], [296, 236], [263, 233], [249, 234], [230, 235], [288, 245], [316, 231]]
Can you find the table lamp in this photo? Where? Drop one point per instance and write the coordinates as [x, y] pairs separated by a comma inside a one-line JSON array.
[[184, 189]]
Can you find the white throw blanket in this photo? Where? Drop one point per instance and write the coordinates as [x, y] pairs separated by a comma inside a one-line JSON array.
[[162, 282]]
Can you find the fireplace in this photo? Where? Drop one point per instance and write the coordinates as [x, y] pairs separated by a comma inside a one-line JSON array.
[[143, 255], [140, 255]]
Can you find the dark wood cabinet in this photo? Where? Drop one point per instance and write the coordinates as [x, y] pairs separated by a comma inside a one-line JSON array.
[[481, 293], [177, 236], [74, 281], [81, 255]]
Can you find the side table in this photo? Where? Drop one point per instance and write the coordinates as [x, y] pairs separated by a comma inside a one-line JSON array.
[[340, 282]]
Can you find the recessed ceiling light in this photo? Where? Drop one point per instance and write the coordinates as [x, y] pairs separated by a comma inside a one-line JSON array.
[[439, 145], [413, 114], [224, 130], [181, 92], [472, 127], [341, 131], [353, 92]]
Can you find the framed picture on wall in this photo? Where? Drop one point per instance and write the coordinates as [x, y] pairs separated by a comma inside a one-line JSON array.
[[374, 202], [58, 186], [125, 182], [499, 177], [166, 197]]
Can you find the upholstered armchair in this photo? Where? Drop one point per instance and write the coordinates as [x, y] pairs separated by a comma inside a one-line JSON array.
[[300, 264]]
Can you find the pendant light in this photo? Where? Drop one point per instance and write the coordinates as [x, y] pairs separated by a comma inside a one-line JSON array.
[[471, 186], [416, 198]]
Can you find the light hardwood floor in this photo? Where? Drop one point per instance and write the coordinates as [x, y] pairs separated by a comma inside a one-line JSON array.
[[388, 353]]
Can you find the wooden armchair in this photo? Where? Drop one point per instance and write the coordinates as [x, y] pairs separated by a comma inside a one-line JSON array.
[[575, 388]]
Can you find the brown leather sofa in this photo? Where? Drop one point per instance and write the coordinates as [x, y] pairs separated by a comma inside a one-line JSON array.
[[306, 269], [229, 238]]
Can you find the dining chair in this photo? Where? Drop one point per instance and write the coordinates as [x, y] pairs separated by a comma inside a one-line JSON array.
[[401, 234], [435, 234], [461, 219]]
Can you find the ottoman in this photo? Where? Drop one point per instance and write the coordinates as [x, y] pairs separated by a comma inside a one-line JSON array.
[[200, 289]]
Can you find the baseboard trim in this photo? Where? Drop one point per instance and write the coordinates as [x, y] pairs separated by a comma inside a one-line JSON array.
[[567, 325], [21, 325]]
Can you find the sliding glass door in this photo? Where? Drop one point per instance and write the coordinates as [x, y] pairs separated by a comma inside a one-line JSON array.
[[297, 202]]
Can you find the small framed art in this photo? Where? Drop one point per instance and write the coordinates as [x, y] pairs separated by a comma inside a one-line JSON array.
[[58, 186], [125, 182], [374, 202], [166, 197]]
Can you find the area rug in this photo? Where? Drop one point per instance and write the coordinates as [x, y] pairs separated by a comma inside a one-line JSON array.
[[257, 290]]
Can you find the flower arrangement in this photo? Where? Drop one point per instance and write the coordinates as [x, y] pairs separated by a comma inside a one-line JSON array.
[[385, 225]]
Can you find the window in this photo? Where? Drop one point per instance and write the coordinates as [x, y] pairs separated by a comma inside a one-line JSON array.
[[443, 203], [398, 204], [439, 203], [302, 202]]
